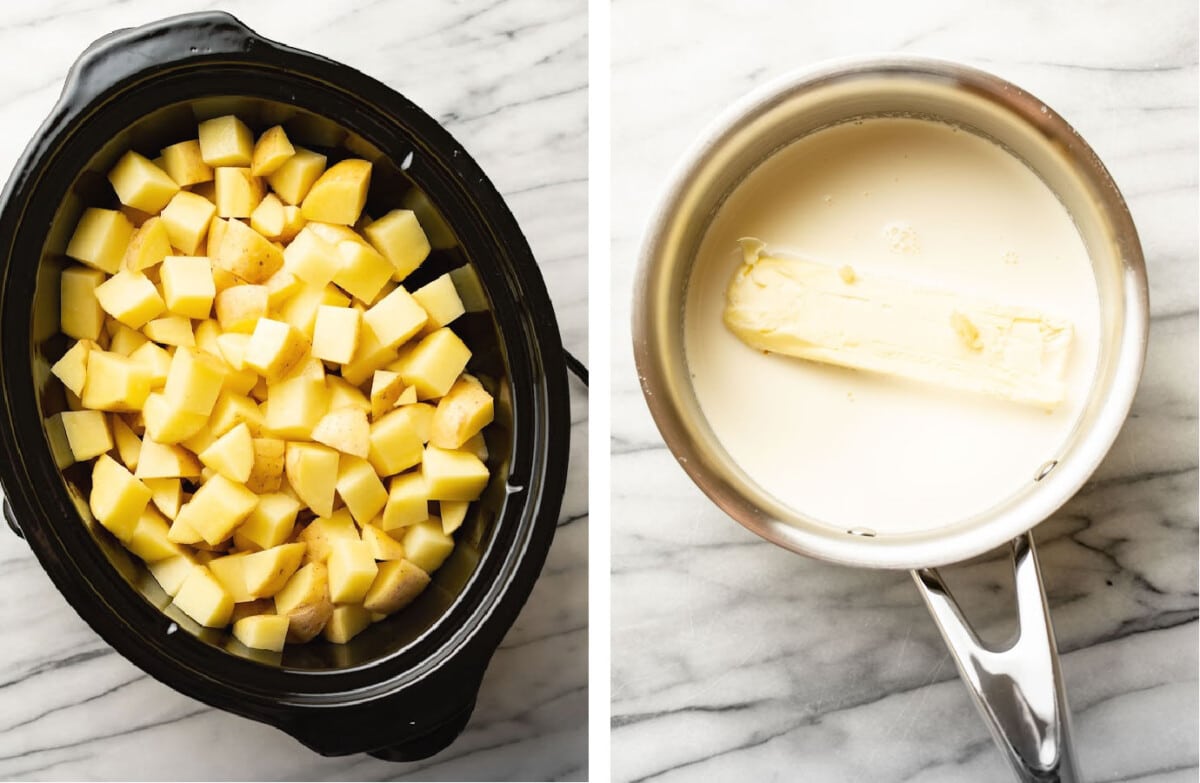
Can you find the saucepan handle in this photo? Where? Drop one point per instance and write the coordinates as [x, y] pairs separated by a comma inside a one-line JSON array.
[[1018, 689]]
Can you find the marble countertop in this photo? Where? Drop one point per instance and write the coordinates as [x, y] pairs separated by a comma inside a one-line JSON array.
[[735, 660], [508, 78]]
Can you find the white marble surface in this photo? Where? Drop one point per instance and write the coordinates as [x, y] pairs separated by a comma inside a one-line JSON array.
[[735, 660], [508, 78]]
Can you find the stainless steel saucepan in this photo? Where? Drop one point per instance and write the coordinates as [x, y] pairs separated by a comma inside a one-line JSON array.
[[1018, 688]]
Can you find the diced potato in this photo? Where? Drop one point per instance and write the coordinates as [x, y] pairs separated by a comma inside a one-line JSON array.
[[346, 622], [344, 395], [266, 474], [216, 233], [140, 184], [167, 495], [226, 141], [335, 334], [439, 299], [171, 572], [267, 572], [312, 472], [246, 253], [114, 382], [370, 356], [207, 191], [426, 545], [232, 454], [398, 236], [340, 194], [408, 396], [408, 502], [202, 598], [465, 410], [352, 569], [271, 522], [187, 284], [292, 180], [304, 600], [272, 151], [440, 235], [230, 571], [311, 258], [238, 192], [129, 445], [165, 460], [346, 430], [194, 381], [395, 442], [232, 409], [81, 315], [395, 318], [293, 223], [383, 546], [155, 360], [149, 540], [88, 433], [125, 341], [118, 499], [396, 585], [295, 406], [130, 298], [240, 307], [262, 631], [274, 349], [268, 218], [187, 218], [422, 413], [199, 442], [185, 163], [454, 513], [218, 507], [453, 475], [167, 423], [281, 287], [148, 246], [360, 488], [100, 239], [171, 330], [435, 363], [385, 391], [71, 369], [363, 272]]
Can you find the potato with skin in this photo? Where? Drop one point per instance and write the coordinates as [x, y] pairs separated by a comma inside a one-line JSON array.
[[465, 410], [304, 600], [240, 307], [346, 430], [267, 572], [322, 532], [272, 151], [339, 195], [266, 474], [148, 245], [275, 347], [246, 253], [397, 584]]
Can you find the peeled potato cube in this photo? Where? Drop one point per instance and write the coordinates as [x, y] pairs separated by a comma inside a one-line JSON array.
[[202, 598], [140, 184], [465, 410], [88, 433], [262, 631], [343, 395], [271, 522], [345, 623], [219, 506], [346, 430], [408, 396], [240, 307], [171, 330], [395, 442], [396, 585], [360, 488], [171, 572], [274, 349], [427, 545], [149, 540], [454, 512], [100, 239], [187, 285], [129, 445], [194, 381], [292, 180], [351, 571], [166, 423], [453, 475], [117, 499], [230, 571], [182, 533], [155, 360], [304, 600], [268, 218], [383, 546], [281, 287], [311, 258], [363, 271], [395, 318], [272, 151], [370, 356], [81, 315], [185, 163], [408, 502], [386, 388], [130, 298], [167, 495], [340, 194], [440, 301], [114, 382], [267, 572], [435, 363], [295, 406], [165, 460], [238, 192], [125, 341], [293, 223], [148, 245], [312, 472], [244, 252], [187, 218], [225, 141], [324, 531], [335, 333], [71, 369], [398, 236], [232, 454]]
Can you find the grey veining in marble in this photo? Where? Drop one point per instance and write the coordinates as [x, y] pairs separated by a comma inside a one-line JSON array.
[[733, 659], [508, 78]]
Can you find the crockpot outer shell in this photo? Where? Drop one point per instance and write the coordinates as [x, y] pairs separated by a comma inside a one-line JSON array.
[[414, 701]]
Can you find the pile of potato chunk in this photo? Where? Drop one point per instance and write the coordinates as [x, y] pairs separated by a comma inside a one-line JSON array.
[[271, 413]]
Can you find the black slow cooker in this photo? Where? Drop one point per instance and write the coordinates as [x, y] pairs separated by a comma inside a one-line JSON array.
[[404, 688]]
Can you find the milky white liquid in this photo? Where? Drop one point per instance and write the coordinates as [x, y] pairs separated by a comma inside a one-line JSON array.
[[912, 200]]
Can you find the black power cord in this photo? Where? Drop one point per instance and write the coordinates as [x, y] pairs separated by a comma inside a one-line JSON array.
[[577, 368]]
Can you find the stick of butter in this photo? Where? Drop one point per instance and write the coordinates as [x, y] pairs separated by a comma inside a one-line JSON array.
[[832, 315]]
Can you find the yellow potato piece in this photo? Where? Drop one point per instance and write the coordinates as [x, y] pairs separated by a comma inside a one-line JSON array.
[[395, 318], [352, 569], [345, 623], [140, 184], [262, 631], [435, 363], [340, 194], [266, 474], [194, 381], [165, 460], [129, 445], [311, 258], [386, 388], [395, 442], [239, 308], [167, 495], [268, 217], [440, 301], [453, 475], [295, 406], [304, 600], [274, 349], [187, 285], [335, 333], [100, 239], [171, 572], [232, 454], [88, 433], [292, 180], [408, 502], [344, 395], [453, 512], [170, 330], [149, 540], [267, 572], [363, 271], [346, 430], [383, 546], [71, 369], [312, 472], [202, 598], [114, 382], [272, 520], [148, 245], [130, 298], [238, 192], [167, 423], [125, 341], [427, 545], [225, 141], [218, 507], [118, 499], [323, 531], [186, 219], [396, 585], [398, 236], [81, 315], [360, 488], [244, 252], [465, 410], [272, 151], [185, 164]]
